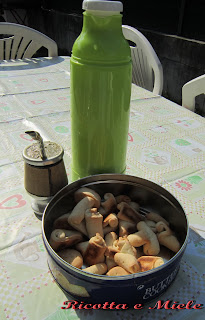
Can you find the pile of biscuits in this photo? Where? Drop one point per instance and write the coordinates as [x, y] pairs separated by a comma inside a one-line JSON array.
[[110, 236]]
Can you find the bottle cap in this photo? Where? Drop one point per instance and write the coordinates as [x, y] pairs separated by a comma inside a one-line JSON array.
[[102, 5]]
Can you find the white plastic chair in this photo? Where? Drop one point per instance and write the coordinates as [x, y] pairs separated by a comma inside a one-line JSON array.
[[147, 69], [23, 42], [192, 89]]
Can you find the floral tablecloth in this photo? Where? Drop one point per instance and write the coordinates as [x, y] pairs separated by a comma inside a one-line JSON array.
[[166, 145]]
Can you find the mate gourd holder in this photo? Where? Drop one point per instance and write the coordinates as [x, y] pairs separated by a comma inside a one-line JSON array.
[[44, 170]]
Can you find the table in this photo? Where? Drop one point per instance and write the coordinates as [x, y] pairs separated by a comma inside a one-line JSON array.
[[166, 145]]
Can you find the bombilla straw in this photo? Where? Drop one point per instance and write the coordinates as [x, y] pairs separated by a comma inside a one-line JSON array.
[[36, 136]]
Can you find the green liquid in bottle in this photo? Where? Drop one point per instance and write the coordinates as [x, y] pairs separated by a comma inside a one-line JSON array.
[[100, 97]]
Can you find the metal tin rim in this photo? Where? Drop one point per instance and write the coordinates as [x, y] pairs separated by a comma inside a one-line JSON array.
[[42, 163], [104, 277]]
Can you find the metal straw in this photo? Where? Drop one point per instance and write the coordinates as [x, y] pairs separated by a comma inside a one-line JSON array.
[[36, 136]]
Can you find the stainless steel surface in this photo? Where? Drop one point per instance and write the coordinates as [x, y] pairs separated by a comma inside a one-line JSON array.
[[36, 136], [39, 204], [33, 156]]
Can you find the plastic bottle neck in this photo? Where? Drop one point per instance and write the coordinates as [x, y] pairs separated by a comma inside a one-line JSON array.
[[101, 40], [111, 23], [102, 13]]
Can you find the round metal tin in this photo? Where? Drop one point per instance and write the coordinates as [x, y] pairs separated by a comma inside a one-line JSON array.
[[131, 289]]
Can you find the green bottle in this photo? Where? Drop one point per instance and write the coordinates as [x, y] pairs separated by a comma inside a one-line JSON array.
[[100, 92]]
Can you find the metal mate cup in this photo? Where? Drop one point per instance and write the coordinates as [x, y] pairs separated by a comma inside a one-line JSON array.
[[44, 172]]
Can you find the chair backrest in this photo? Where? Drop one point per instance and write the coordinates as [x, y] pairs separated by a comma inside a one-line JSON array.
[[147, 69], [192, 89], [19, 42]]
